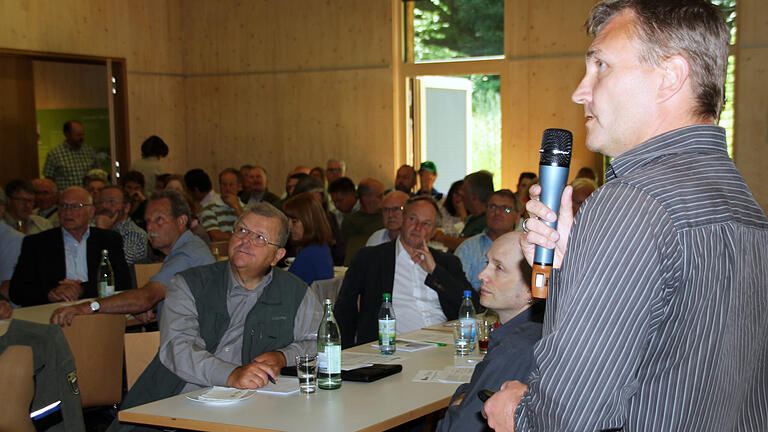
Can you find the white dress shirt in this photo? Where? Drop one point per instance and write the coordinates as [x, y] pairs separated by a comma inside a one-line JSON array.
[[416, 305]]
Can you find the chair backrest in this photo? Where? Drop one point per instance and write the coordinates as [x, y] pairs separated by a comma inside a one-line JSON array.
[[327, 288], [144, 272], [96, 342], [18, 388], [140, 349]]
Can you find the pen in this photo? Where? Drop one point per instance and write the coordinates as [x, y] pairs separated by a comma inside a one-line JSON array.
[[436, 343], [272, 380]]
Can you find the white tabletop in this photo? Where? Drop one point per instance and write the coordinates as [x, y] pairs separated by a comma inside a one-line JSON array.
[[356, 406]]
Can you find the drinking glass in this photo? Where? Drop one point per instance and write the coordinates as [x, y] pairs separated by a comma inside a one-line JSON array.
[[306, 371]]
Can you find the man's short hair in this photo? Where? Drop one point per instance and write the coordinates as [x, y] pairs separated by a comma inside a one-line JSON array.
[[269, 211], [340, 161], [16, 185], [526, 175], [197, 179], [245, 167], [179, 205], [154, 146], [694, 29], [67, 128], [133, 176], [508, 194], [123, 192], [479, 184], [343, 185], [430, 200], [309, 184], [253, 167], [232, 171]]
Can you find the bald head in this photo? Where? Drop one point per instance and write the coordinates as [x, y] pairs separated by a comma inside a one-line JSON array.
[[506, 282], [370, 191]]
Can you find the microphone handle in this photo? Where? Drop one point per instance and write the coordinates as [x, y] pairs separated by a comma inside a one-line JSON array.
[[553, 180]]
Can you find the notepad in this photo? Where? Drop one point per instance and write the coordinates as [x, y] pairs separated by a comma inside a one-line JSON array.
[[222, 395], [283, 386]]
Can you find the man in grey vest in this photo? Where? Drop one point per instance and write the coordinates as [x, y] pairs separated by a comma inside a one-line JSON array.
[[234, 323]]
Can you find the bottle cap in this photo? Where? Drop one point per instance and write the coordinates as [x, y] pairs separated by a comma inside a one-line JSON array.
[[386, 296], [104, 252], [328, 301], [467, 293]]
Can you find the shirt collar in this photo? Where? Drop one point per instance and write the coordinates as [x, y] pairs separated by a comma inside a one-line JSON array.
[[234, 284], [69, 237], [702, 139], [508, 327]]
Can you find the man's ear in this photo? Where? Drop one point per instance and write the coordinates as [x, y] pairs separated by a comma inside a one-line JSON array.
[[182, 221], [279, 254], [675, 71]]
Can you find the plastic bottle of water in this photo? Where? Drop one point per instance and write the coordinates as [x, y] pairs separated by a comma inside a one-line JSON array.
[[387, 340], [467, 314], [328, 351], [106, 283]]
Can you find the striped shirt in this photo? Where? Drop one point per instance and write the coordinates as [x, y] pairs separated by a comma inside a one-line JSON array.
[[217, 215], [658, 318], [67, 166]]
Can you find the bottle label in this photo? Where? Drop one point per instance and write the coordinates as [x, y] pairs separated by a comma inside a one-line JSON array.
[[386, 332], [329, 361], [473, 329]]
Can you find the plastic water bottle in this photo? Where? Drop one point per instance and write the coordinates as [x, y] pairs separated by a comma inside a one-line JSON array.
[[387, 332], [467, 314], [106, 281], [328, 351]]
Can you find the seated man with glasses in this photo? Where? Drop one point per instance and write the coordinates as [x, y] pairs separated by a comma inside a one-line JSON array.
[[167, 216], [62, 264], [501, 217], [392, 207], [20, 206], [234, 323], [426, 285]]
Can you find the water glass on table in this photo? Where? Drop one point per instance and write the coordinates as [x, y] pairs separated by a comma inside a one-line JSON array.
[[306, 371], [462, 337]]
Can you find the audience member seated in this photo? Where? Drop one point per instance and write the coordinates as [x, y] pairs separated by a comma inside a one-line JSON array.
[[229, 189], [478, 188], [588, 173], [215, 216], [452, 210], [62, 264], [46, 200], [427, 177], [392, 208], [344, 198], [257, 179], [176, 183], [68, 163], [315, 186], [10, 239], [152, 150], [582, 189], [405, 179], [94, 183], [311, 235], [357, 227], [112, 211], [133, 184], [20, 203], [168, 217], [427, 285], [210, 308], [523, 183], [319, 174], [501, 216], [506, 290], [335, 169]]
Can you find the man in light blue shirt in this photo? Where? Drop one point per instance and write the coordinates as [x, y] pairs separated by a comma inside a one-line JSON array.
[[501, 217], [167, 217]]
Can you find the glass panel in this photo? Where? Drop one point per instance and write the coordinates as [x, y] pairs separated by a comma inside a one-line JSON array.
[[727, 117], [729, 11], [452, 29], [485, 150]]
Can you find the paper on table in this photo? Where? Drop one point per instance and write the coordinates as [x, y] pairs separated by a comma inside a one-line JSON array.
[[450, 375], [428, 336], [353, 360], [284, 386], [408, 346], [222, 395]]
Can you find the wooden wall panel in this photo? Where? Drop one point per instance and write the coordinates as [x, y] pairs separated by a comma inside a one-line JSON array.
[[60, 85], [547, 28], [18, 149], [283, 120], [267, 35]]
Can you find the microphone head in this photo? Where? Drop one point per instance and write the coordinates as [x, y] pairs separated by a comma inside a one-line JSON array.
[[556, 146]]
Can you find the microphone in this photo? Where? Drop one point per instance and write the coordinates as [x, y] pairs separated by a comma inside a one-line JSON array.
[[554, 163]]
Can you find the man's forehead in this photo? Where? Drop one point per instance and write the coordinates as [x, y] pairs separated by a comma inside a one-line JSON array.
[[501, 200], [423, 209], [162, 205], [228, 177], [75, 196], [261, 224], [112, 193]]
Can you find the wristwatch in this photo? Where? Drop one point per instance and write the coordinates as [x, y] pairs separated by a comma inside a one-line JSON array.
[[95, 306]]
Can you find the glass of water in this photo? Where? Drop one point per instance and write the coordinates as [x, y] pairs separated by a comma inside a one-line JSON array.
[[462, 337], [306, 371]]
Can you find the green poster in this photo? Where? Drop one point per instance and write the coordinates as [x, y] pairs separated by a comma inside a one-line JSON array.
[[95, 122]]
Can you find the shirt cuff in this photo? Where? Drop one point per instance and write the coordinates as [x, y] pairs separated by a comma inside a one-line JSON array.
[[221, 372]]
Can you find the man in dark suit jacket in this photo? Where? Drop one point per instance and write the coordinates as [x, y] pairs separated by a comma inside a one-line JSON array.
[[428, 285], [42, 274]]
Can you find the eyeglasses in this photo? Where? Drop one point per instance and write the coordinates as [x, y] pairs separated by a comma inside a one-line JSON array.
[[259, 240], [494, 207], [393, 209], [23, 200], [73, 206], [333, 169]]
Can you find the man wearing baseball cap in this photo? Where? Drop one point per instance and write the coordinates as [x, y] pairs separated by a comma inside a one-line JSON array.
[[427, 177]]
